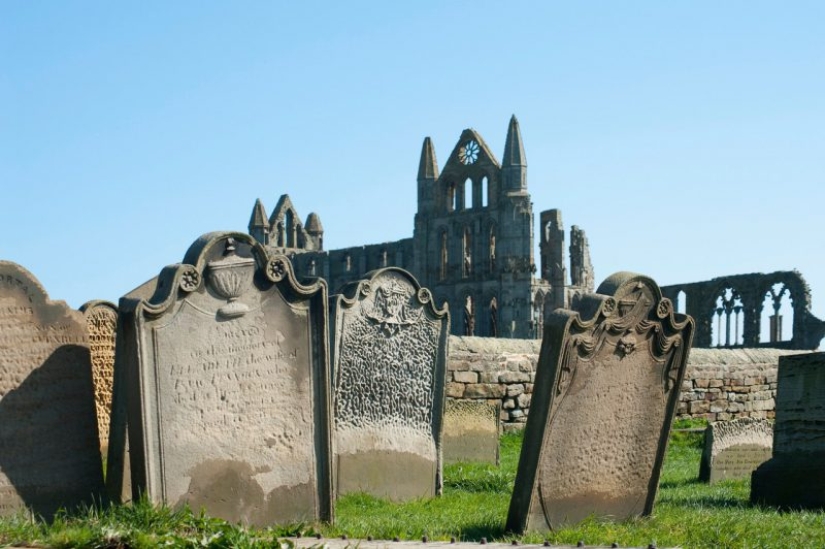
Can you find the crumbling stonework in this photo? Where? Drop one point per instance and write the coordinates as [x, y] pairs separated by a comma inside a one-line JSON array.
[[719, 384], [736, 306], [472, 245]]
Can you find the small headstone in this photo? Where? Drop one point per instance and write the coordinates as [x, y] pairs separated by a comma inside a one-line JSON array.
[[733, 449], [228, 386], [471, 431], [101, 324], [49, 447], [610, 370], [390, 349], [795, 476]]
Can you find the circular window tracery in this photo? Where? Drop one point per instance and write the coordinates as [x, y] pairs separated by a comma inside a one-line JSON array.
[[468, 154]]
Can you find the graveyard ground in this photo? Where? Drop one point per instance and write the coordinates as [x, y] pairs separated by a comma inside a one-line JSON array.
[[474, 506]]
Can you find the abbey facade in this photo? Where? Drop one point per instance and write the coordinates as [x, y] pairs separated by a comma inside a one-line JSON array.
[[472, 245]]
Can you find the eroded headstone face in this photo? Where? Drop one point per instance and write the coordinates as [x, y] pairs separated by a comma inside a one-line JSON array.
[[606, 388], [390, 353], [795, 477], [101, 325], [229, 386], [471, 430], [49, 449], [733, 449]]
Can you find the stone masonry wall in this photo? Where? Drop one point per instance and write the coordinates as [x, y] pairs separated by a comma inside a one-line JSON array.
[[719, 384]]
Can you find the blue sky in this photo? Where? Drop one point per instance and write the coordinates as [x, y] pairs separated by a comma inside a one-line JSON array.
[[686, 138]]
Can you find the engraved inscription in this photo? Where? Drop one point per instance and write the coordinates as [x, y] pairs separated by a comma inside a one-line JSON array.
[[738, 461], [101, 323], [235, 390]]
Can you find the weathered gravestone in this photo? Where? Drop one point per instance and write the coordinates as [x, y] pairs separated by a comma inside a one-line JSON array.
[[118, 462], [471, 431], [389, 349], [49, 447], [795, 476], [101, 323], [228, 386], [733, 449], [606, 388]]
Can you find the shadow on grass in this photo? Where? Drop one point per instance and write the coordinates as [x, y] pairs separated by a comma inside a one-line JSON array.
[[706, 502], [679, 483], [475, 532]]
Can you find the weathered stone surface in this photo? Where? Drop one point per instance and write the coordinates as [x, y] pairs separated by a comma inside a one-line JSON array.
[[49, 447], [733, 449], [101, 325], [389, 356], [228, 386], [471, 430], [795, 477], [609, 375]]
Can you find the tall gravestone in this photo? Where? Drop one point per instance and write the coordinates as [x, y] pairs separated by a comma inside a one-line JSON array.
[[227, 381], [733, 449], [101, 324], [795, 476], [607, 384], [471, 431], [49, 446], [390, 350]]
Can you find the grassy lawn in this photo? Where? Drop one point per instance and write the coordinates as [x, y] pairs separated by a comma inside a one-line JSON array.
[[474, 506]]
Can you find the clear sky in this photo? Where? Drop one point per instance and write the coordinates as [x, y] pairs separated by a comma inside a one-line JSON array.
[[686, 138]]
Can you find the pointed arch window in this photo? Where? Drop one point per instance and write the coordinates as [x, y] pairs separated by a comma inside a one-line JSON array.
[[467, 192], [290, 229], [467, 253], [493, 317], [442, 272], [485, 192]]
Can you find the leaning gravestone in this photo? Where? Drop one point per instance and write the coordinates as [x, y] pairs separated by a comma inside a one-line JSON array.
[[101, 324], [227, 376], [795, 476], [471, 430], [733, 449], [606, 388], [390, 349], [49, 447]]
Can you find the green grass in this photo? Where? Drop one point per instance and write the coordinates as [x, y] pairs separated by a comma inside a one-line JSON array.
[[474, 505]]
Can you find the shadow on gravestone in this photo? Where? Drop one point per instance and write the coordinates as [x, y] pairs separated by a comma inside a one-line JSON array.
[[49, 447], [607, 384], [225, 374], [389, 355]]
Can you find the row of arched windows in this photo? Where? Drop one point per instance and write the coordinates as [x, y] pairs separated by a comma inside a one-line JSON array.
[[728, 316], [467, 195], [468, 263]]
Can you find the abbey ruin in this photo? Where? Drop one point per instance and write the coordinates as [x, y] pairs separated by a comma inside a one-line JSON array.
[[473, 247]]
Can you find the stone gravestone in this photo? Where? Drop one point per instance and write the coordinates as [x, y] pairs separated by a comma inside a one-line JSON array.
[[228, 386], [49, 447], [471, 431], [795, 476], [733, 449], [101, 323], [389, 349], [607, 384]]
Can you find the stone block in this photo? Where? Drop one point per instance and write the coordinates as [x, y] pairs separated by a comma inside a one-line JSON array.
[[455, 390], [514, 377], [515, 390], [523, 401], [483, 390], [465, 377]]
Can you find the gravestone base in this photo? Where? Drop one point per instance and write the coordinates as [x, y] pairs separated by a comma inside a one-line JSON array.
[[790, 482], [396, 476]]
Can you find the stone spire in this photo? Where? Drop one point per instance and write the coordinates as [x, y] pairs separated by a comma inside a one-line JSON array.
[[258, 225], [514, 164], [427, 167], [513, 147]]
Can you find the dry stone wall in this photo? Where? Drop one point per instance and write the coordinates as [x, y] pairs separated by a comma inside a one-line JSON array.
[[719, 384]]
